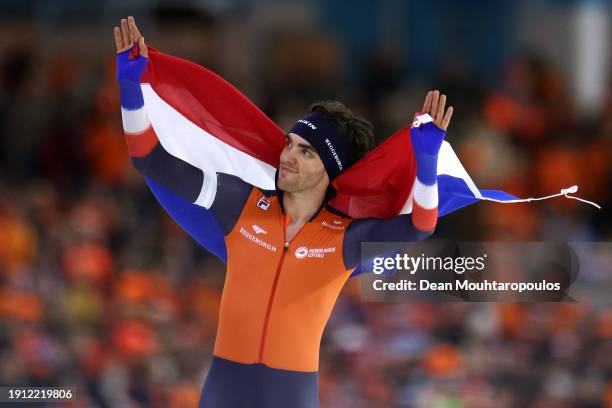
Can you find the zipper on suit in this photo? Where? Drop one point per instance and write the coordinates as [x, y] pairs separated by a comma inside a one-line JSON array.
[[274, 285]]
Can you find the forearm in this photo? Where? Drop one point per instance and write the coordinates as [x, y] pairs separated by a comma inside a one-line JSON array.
[[148, 155], [139, 134], [425, 194], [426, 140], [400, 228]]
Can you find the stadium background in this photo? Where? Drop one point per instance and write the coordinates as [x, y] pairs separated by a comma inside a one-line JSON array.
[[100, 290]]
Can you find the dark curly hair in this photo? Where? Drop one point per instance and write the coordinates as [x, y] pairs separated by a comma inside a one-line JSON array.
[[357, 133]]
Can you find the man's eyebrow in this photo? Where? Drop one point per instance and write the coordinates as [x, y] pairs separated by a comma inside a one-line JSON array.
[[302, 145], [307, 146]]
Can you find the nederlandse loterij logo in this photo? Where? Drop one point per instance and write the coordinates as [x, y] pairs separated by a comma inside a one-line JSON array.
[[301, 252], [337, 227], [305, 252], [263, 203], [256, 240], [258, 229]]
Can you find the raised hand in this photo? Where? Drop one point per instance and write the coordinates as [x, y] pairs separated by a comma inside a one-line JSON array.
[[131, 60], [427, 139], [427, 136], [128, 35], [434, 105]]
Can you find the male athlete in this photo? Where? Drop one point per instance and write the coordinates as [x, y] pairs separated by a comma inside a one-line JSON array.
[[288, 252]]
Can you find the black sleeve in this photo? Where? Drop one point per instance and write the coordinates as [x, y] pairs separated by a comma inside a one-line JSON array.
[[228, 193], [232, 194], [178, 176], [397, 229]]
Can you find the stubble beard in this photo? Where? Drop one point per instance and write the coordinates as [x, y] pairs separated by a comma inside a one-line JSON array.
[[290, 184], [297, 182]]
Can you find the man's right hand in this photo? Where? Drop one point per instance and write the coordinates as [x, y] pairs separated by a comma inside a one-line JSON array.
[[131, 63], [128, 35]]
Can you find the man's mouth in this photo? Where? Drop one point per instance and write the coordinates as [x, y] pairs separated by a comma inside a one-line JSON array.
[[286, 170]]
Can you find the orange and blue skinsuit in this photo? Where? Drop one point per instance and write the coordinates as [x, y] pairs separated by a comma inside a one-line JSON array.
[[278, 294]]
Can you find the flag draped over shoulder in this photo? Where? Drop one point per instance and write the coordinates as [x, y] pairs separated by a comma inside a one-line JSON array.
[[202, 119]]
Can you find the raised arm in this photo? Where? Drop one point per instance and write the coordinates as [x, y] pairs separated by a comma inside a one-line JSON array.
[[427, 134], [223, 194]]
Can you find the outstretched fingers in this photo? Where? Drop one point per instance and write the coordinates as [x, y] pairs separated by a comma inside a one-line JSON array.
[[435, 105], [427, 103], [447, 118], [134, 32], [118, 39], [439, 114], [143, 48], [128, 34], [435, 98], [125, 33]]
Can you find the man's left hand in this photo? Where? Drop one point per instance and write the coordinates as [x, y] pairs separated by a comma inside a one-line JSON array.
[[434, 105]]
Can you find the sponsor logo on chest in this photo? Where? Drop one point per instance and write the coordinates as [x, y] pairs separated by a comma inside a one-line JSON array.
[[336, 225], [258, 229], [305, 252], [251, 237], [263, 203]]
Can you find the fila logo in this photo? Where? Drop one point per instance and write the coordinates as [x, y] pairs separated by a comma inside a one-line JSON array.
[[307, 123], [258, 229], [303, 252], [263, 203]]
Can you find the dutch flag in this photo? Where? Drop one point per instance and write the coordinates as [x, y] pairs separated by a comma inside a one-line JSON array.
[[202, 119]]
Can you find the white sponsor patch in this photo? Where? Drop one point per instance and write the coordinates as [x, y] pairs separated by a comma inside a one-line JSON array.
[[334, 154], [307, 123], [305, 252], [301, 252], [258, 229], [337, 225], [421, 120], [258, 241], [263, 203]]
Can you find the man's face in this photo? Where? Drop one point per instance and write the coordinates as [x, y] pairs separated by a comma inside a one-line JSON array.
[[301, 167]]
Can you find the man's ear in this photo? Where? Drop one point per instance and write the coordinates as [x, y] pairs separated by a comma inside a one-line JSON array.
[[326, 177]]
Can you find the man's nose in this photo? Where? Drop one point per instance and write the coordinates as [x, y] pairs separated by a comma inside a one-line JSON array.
[[289, 156]]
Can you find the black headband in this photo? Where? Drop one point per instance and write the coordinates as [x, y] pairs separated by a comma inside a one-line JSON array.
[[325, 139]]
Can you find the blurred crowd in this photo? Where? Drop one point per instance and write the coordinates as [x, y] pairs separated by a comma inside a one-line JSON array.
[[102, 291]]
